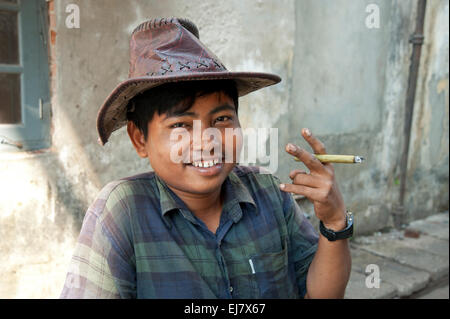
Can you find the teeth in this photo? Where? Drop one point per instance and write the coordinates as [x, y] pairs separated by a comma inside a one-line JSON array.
[[206, 164]]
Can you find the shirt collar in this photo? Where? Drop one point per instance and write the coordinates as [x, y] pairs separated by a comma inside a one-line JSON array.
[[235, 192], [167, 198]]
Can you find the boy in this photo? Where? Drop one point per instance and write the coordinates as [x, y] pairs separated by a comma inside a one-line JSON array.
[[202, 227]]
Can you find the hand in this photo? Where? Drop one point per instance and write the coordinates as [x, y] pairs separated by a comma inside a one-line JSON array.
[[319, 186]]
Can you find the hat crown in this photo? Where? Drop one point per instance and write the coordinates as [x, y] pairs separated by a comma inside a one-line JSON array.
[[157, 22], [169, 46]]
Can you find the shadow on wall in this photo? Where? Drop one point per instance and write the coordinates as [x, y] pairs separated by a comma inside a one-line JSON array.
[[44, 196]]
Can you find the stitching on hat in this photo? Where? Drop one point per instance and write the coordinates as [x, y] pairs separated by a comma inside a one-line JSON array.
[[216, 63], [168, 67], [158, 22], [184, 65], [190, 26], [165, 70], [201, 63]]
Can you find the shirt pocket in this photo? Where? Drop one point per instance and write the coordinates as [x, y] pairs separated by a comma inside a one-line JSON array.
[[273, 276]]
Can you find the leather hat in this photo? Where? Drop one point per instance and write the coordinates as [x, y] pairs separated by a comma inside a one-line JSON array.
[[166, 50]]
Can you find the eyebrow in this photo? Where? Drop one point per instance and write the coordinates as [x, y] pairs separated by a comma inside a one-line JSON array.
[[213, 111], [222, 107]]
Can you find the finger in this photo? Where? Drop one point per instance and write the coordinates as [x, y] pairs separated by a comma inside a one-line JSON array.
[[307, 158], [311, 193], [307, 180], [317, 146], [300, 177], [295, 172]]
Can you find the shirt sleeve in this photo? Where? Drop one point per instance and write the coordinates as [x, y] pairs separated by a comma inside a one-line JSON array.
[[102, 265], [303, 240]]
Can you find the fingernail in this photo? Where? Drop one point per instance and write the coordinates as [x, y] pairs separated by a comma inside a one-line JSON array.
[[282, 186], [307, 132], [291, 147]]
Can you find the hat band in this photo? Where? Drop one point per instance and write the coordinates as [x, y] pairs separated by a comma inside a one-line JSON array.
[[173, 67]]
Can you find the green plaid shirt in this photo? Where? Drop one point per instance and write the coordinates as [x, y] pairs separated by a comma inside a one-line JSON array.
[[139, 240]]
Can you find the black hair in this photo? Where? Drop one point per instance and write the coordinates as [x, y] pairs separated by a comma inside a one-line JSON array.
[[173, 98]]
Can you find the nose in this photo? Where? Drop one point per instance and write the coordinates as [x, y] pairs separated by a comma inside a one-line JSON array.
[[205, 141]]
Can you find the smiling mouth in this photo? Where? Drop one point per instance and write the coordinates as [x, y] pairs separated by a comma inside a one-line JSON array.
[[208, 167], [205, 164]]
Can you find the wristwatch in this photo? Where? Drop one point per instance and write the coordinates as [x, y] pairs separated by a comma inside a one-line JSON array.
[[332, 235]]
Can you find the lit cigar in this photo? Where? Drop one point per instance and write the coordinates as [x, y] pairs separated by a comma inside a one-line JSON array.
[[328, 158]]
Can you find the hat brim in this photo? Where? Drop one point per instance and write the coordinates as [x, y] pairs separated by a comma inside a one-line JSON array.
[[112, 114]]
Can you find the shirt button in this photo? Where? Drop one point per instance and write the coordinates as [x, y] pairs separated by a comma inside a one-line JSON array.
[[231, 289]]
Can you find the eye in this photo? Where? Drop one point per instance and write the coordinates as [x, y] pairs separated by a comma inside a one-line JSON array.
[[179, 124], [223, 118]]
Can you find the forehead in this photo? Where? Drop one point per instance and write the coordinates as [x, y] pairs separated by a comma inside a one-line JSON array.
[[201, 105], [210, 101]]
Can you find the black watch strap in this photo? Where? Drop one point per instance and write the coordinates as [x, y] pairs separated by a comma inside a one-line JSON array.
[[342, 234]]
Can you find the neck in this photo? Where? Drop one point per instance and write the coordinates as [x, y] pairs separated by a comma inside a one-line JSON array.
[[204, 206]]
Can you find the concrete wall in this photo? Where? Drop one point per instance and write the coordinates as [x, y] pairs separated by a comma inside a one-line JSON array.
[[351, 84], [428, 160], [346, 82], [350, 88]]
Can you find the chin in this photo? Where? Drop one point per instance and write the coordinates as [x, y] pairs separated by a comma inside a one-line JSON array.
[[198, 180]]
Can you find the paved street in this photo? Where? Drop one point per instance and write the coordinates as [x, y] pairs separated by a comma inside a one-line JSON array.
[[408, 263]]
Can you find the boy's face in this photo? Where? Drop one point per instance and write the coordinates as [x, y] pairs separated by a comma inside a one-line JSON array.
[[216, 111]]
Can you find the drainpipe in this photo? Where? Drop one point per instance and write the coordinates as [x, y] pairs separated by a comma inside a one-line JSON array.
[[417, 40]]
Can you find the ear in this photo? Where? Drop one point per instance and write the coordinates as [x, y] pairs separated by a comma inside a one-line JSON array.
[[137, 139]]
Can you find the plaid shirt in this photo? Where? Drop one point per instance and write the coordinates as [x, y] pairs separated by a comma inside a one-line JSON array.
[[139, 240]]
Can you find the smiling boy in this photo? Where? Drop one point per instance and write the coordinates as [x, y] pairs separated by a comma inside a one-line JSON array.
[[204, 227]]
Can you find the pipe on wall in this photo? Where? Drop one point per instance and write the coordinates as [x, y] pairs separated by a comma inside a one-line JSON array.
[[417, 40]]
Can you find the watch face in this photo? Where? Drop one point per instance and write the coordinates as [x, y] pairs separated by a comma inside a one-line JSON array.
[[349, 219]]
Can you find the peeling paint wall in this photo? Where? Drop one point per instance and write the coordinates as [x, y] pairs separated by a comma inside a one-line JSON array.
[[428, 163], [345, 82], [349, 87]]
